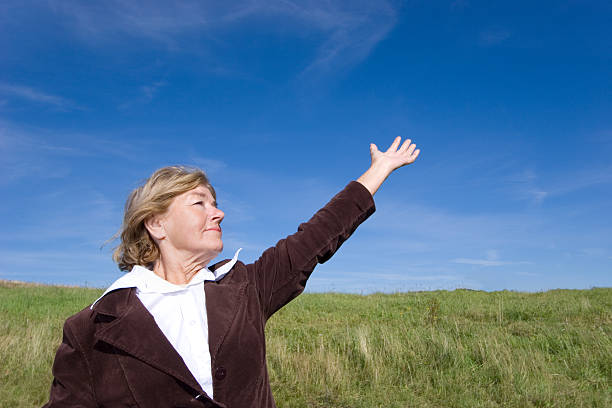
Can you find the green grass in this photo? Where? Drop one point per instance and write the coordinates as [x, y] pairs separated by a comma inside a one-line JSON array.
[[425, 349]]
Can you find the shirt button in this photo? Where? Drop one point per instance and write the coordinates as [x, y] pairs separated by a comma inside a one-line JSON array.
[[220, 373]]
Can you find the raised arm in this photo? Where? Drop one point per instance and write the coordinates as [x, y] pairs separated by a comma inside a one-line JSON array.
[[280, 274], [384, 163]]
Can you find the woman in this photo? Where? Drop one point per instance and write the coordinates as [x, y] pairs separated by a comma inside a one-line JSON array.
[[175, 333]]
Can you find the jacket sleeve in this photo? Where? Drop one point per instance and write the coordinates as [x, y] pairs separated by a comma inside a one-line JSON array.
[[282, 270], [72, 385]]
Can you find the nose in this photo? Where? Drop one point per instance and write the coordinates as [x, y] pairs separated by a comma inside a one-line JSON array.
[[218, 216]]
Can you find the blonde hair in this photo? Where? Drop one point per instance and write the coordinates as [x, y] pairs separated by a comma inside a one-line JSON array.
[[152, 198]]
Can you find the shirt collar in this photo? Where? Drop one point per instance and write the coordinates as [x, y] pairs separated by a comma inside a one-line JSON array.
[[148, 282]]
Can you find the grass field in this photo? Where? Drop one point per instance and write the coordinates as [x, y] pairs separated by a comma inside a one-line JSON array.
[[425, 349]]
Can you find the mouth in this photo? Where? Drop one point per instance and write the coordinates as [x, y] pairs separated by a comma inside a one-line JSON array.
[[214, 229]]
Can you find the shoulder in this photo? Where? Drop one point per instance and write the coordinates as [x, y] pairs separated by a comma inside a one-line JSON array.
[[241, 274], [79, 329], [237, 273]]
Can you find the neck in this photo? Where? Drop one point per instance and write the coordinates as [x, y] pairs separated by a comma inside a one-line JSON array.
[[176, 270]]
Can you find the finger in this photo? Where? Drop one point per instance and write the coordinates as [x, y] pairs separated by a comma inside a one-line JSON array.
[[394, 145], [411, 149], [373, 148], [416, 154], [404, 146]]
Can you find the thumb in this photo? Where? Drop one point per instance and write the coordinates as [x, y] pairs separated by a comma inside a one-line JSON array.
[[373, 148]]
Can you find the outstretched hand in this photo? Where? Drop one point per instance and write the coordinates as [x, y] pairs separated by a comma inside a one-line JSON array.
[[384, 163], [396, 156]]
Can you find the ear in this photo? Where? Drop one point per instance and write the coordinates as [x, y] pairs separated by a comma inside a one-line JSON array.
[[154, 224]]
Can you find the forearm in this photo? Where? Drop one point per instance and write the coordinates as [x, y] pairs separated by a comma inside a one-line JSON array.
[[374, 177], [282, 271]]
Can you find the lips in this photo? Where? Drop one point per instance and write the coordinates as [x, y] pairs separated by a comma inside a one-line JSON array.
[[214, 229]]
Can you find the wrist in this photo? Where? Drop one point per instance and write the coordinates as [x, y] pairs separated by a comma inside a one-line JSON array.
[[374, 177], [380, 168]]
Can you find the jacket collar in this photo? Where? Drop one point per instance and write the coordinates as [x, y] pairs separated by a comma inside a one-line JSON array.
[[147, 281]]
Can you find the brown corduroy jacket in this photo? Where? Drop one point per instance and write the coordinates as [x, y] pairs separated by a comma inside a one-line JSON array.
[[116, 356]]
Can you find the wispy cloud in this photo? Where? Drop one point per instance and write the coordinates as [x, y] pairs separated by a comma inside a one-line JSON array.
[[484, 262], [37, 96], [493, 36], [594, 252], [399, 277], [526, 185], [603, 136], [34, 259], [530, 185], [100, 23], [71, 266], [82, 215], [146, 94], [210, 166], [350, 30], [441, 227], [430, 234], [492, 259], [581, 179], [149, 91], [459, 5], [22, 155], [35, 152], [528, 274]]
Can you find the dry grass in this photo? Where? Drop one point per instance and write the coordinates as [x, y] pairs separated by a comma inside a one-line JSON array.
[[431, 349]]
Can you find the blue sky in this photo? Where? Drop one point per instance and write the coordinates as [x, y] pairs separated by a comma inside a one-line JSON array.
[[510, 104]]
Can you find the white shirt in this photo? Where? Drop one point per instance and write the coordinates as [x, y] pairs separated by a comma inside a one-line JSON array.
[[180, 313]]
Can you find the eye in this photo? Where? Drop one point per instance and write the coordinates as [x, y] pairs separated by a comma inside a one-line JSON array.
[[199, 203]]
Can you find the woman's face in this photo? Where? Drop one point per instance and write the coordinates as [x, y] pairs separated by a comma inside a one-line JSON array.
[[192, 225]]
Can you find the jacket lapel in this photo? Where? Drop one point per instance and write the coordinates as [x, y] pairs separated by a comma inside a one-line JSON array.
[[222, 303], [135, 332]]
